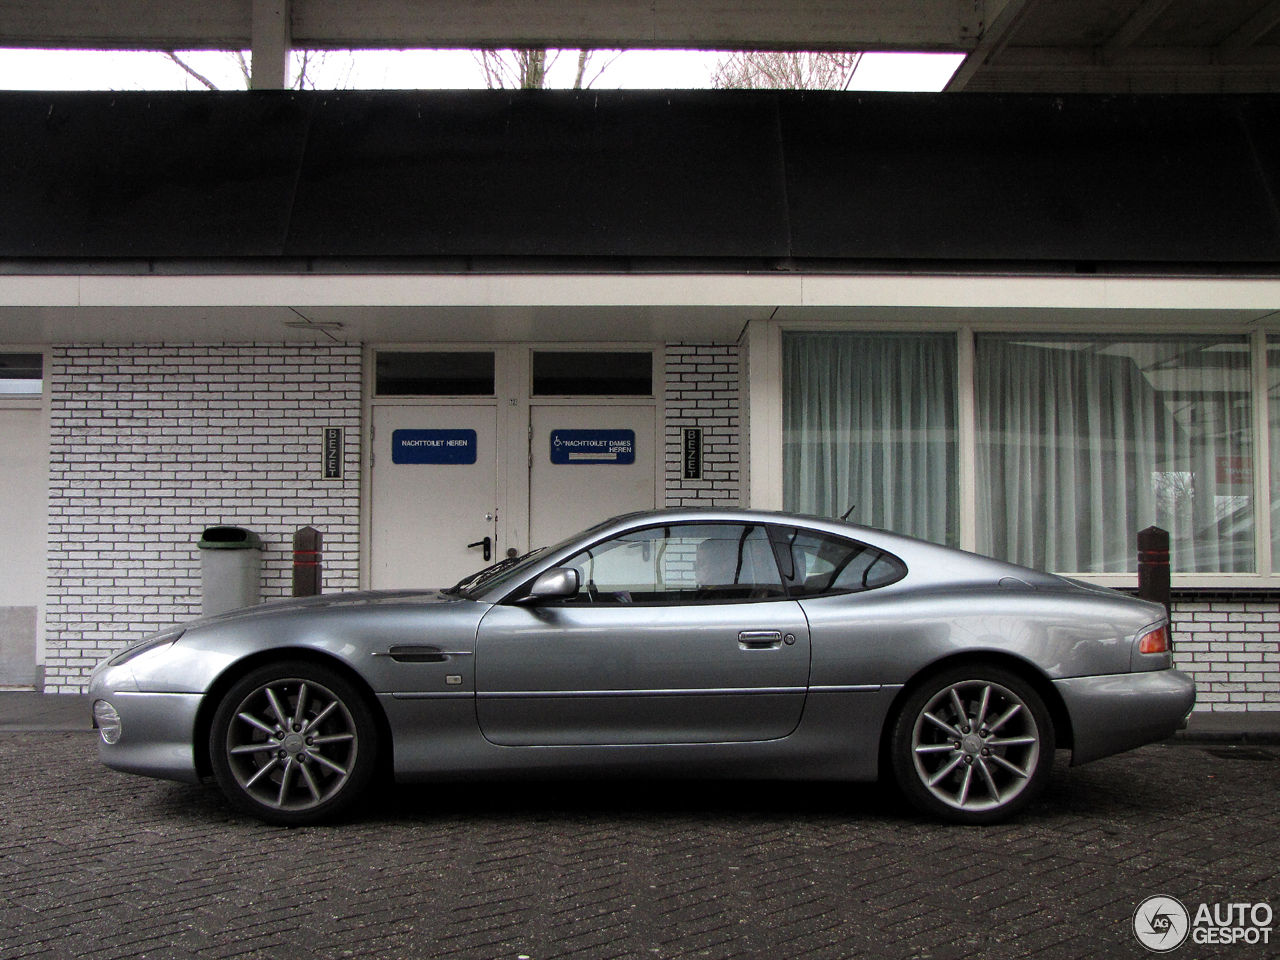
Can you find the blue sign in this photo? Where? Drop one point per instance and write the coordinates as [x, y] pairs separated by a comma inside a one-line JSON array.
[[593, 446], [433, 446]]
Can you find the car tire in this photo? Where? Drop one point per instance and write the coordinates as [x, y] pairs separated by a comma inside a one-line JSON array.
[[293, 743], [972, 744]]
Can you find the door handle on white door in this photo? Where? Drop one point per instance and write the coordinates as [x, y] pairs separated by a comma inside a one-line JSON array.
[[487, 543]]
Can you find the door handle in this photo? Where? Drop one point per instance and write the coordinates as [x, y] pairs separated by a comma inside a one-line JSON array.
[[759, 639], [487, 543], [421, 654]]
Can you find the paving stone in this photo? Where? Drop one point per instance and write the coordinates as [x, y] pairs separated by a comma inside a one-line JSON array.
[[101, 865]]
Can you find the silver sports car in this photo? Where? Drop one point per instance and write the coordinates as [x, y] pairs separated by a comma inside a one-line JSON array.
[[708, 643]]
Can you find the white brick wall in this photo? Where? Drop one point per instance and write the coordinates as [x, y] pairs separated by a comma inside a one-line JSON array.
[[702, 391], [149, 444], [1232, 650]]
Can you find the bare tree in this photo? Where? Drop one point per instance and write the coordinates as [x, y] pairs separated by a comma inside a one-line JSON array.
[[785, 70], [585, 63], [308, 63], [172, 55], [526, 68], [246, 68], [311, 63]]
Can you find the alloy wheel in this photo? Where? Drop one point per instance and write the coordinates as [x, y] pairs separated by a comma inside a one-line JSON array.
[[975, 745], [292, 744]]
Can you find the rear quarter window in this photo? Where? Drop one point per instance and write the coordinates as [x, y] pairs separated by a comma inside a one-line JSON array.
[[815, 564]]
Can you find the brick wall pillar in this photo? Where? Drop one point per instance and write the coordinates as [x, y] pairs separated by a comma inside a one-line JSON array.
[[702, 391]]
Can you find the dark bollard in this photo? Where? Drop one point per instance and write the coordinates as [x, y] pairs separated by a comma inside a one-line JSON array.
[[306, 562], [1153, 567]]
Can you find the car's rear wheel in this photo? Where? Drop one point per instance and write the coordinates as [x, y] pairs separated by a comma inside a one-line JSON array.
[[293, 743], [972, 744]]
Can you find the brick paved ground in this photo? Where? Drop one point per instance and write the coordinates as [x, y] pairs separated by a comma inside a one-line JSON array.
[[98, 864]]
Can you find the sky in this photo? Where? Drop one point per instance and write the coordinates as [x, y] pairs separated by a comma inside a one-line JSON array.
[[22, 69]]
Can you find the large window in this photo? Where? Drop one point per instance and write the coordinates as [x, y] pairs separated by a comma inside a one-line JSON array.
[[1081, 442], [1273, 419], [869, 429], [1046, 449]]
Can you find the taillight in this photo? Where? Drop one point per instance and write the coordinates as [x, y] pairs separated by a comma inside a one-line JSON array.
[[1155, 641]]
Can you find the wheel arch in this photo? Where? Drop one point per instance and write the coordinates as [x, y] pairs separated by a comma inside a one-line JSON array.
[[232, 674], [1043, 686]]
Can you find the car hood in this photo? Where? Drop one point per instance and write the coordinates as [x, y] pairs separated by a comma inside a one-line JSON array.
[[363, 598]]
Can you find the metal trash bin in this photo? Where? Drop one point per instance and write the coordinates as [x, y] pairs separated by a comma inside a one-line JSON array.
[[230, 569]]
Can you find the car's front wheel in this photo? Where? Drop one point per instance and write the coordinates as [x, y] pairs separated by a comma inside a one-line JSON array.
[[293, 743], [972, 744]]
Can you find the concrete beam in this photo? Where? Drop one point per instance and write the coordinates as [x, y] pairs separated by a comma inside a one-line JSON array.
[[1141, 70], [272, 41], [1133, 28], [1164, 58], [1255, 28], [125, 24], [337, 24], [709, 24], [995, 37]]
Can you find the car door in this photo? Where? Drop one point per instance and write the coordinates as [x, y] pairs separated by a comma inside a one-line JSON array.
[[679, 634]]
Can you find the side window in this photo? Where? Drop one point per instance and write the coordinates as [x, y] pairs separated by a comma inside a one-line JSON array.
[[685, 563], [814, 563]]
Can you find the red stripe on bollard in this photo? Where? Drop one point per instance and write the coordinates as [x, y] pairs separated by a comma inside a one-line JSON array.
[[307, 571]]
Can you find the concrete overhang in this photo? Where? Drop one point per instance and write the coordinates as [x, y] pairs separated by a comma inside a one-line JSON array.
[[397, 308]]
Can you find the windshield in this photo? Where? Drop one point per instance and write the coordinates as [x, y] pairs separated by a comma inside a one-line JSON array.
[[511, 570], [482, 580]]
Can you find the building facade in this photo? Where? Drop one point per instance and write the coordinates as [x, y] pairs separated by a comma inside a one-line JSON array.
[[1028, 327]]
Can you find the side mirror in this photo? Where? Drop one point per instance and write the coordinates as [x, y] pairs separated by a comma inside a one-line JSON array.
[[559, 583]]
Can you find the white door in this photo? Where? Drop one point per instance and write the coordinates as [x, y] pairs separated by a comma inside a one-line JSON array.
[[24, 479], [434, 496], [587, 463]]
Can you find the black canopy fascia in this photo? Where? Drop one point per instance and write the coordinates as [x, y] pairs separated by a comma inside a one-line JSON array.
[[562, 177]]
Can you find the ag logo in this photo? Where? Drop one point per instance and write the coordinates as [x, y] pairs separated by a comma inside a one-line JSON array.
[[1161, 924]]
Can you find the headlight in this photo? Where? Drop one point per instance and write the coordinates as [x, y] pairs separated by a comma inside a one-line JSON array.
[[145, 644], [108, 721]]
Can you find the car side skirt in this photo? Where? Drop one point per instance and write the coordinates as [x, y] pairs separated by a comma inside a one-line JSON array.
[[838, 739]]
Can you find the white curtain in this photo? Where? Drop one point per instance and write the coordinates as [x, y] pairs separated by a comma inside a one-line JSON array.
[[1082, 443], [1273, 410], [869, 422]]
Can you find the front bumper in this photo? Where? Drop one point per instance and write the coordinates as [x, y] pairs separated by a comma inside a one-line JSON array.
[[1111, 714], [157, 730]]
